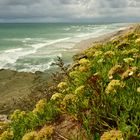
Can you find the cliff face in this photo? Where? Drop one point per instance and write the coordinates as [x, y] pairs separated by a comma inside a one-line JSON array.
[[99, 97], [14, 86]]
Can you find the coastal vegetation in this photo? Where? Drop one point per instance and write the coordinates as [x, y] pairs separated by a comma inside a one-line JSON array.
[[98, 98]]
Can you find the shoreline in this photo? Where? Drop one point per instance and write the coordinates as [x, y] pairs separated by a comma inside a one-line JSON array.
[[18, 84], [87, 43]]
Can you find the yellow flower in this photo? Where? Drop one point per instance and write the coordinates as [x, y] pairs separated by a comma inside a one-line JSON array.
[[113, 70], [56, 96], [112, 135], [83, 68], [40, 106], [7, 135], [137, 41], [80, 90], [101, 60], [132, 51], [138, 89], [84, 61], [111, 88], [3, 126], [62, 85], [73, 74], [70, 97], [98, 53], [128, 60], [15, 115], [45, 133], [129, 72], [109, 54], [30, 136]]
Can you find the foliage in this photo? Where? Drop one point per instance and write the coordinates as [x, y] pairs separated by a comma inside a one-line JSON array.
[[23, 122], [103, 88]]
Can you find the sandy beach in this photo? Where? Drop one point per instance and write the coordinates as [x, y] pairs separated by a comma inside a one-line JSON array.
[[84, 44]]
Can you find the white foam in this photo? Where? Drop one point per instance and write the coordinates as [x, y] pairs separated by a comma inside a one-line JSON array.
[[13, 50], [40, 67], [12, 55], [41, 45], [66, 29], [95, 33]]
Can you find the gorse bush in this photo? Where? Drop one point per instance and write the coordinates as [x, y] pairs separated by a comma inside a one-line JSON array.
[[101, 91]]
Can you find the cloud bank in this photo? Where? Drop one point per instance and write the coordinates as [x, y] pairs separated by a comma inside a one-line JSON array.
[[69, 10]]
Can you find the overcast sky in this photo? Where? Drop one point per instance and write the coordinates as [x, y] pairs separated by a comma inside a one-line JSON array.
[[69, 10]]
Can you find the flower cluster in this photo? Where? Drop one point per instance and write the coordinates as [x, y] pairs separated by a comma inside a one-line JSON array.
[[3, 126], [62, 85], [101, 60], [129, 72], [109, 54], [84, 64], [138, 89], [73, 74], [83, 68], [112, 135], [45, 133], [80, 90], [40, 106], [7, 135], [113, 85], [113, 70], [17, 114], [98, 53], [69, 98], [84, 61], [30, 136], [56, 96], [128, 60], [131, 51], [137, 41]]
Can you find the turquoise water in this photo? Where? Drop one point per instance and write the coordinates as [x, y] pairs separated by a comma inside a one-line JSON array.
[[34, 47]]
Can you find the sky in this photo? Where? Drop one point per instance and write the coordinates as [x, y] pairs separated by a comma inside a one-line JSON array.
[[69, 10]]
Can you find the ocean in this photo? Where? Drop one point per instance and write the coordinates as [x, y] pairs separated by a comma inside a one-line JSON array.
[[32, 47]]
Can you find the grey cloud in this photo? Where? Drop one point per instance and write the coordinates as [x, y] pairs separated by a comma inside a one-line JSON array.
[[67, 10]]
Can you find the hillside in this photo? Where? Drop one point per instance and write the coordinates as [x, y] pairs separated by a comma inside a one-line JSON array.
[[99, 98]]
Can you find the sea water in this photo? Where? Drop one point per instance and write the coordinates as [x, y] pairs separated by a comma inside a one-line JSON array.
[[32, 47]]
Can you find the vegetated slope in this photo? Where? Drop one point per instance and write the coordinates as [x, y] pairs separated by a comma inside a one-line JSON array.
[[98, 99]]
